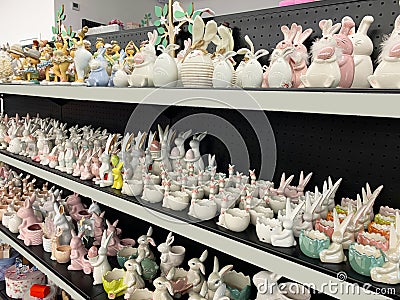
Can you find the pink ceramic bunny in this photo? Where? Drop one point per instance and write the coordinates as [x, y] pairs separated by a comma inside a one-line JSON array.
[[78, 166], [86, 173], [115, 243], [95, 166], [28, 217], [346, 62], [98, 225], [299, 58], [76, 208], [78, 253]]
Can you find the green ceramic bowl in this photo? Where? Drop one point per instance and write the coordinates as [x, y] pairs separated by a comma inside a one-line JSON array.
[[312, 242], [125, 254], [363, 258]]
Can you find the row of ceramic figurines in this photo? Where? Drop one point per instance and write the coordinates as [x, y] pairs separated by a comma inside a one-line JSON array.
[[58, 236]]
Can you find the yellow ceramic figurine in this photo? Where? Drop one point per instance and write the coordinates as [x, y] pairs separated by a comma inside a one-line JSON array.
[[116, 171], [116, 48], [61, 59], [45, 63], [129, 60]]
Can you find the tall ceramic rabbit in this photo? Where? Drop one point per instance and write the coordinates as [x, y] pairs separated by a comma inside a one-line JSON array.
[[224, 40], [216, 278], [61, 222], [251, 72], [299, 58], [346, 62], [223, 70], [334, 254], [166, 137], [195, 149], [165, 71], [133, 277], [82, 58], [28, 217], [98, 70], [163, 287], [387, 73], [105, 171], [285, 237], [100, 262], [78, 253], [137, 154], [178, 152], [142, 74], [197, 271], [363, 48], [324, 70]]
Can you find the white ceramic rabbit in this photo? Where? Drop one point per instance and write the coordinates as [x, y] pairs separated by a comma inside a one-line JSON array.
[[324, 70], [251, 74], [224, 40], [387, 73], [285, 238], [334, 254], [165, 71], [142, 74], [105, 171], [166, 137], [195, 149], [280, 72], [179, 149], [223, 70], [61, 222], [363, 48], [389, 273], [197, 271], [267, 286], [120, 78], [133, 277], [171, 256], [100, 263], [216, 278], [144, 250], [164, 289]]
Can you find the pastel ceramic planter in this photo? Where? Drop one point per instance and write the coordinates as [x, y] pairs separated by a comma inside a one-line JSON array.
[[33, 235], [388, 211], [14, 223], [203, 209], [62, 254], [177, 255], [373, 239], [236, 219], [113, 283], [260, 211], [324, 226], [125, 254], [312, 242], [175, 203], [179, 282], [363, 258], [153, 195], [266, 227], [6, 218], [46, 243], [384, 220], [238, 284], [149, 269], [277, 203], [378, 228], [141, 294]]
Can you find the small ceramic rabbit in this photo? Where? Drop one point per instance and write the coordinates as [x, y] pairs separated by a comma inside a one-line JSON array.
[[324, 70], [251, 74], [163, 286], [363, 48], [334, 254], [195, 148], [75, 206], [386, 74], [216, 278], [98, 226], [224, 40], [197, 271], [120, 78], [223, 70], [180, 148], [280, 72], [61, 222], [133, 277], [78, 253], [166, 138], [299, 58], [171, 256], [98, 70], [86, 173], [28, 217], [165, 71], [346, 62], [82, 58], [144, 250], [285, 238], [294, 192], [105, 171], [100, 262], [78, 165]]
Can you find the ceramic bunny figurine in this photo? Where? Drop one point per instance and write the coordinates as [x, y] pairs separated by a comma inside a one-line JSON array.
[[86, 173], [98, 226], [114, 244], [82, 58], [294, 192], [69, 156], [100, 262], [346, 62], [216, 278], [120, 78], [224, 40], [280, 72], [251, 74], [78, 252], [267, 285], [144, 250], [98, 70], [334, 254], [78, 165], [299, 58], [171, 256], [197, 271], [142, 74], [164, 289], [386, 74], [105, 171], [165, 71], [389, 273], [61, 222], [324, 70], [166, 137], [223, 70], [285, 238], [179, 149], [195, 149], [363, 48], [28, 217], [133, 277], [76, 207]]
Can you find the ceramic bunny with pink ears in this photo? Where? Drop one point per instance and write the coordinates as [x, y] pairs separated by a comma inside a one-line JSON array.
[[324, 70], [299, 58], [78, 253], [28, 217], [294, 192], [76, 207], [115, 243], [346, 62], [142, 74], [387, 73]]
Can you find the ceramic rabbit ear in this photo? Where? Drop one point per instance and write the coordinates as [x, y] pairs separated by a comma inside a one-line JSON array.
[[203, 256], [335, 28], [345, 222], [244, 51], [198, 30], [204, 289], [347, 25], [286, 32], [393, 238], [365, 25], [302, 36], [261, 53], [171, 274], [170, 239], [210, 31], [250, 43], [296, 210], [150, 231], [161, 48], [396, 25], [224, 270], [229, 54], [216, 265]]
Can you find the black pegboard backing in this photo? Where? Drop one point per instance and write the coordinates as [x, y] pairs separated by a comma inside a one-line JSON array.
[[263, 26]]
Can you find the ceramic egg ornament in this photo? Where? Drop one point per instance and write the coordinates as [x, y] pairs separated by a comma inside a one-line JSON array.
[[223, 70], [165, 71]]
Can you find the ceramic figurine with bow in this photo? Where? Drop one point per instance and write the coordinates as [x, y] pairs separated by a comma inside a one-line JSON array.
[[194, 151], [105, 171]]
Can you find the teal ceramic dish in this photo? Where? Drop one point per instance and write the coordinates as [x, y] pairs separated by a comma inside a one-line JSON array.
[[363, 258], [312, 242], [125, 254]]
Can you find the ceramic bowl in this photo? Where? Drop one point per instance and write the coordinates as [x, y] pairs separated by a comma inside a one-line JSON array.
[[179, 282], [312, 242], [236, 219], [177, 255], [176, 203], [378, 228], [238, 284], [62, 254], [125, 254], [260, 211], [141, 294], [363, 258], [277, 203], [384, 220], [152, 195], [134, 187], [385, 81], [324, 226], [388, 211], [373, 239], [113, 283], [33, 235], [266, 227], [205, 209]]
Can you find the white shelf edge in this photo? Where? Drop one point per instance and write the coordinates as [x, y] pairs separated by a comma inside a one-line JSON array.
[[338, 103], [57, 280], [265, 260]]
